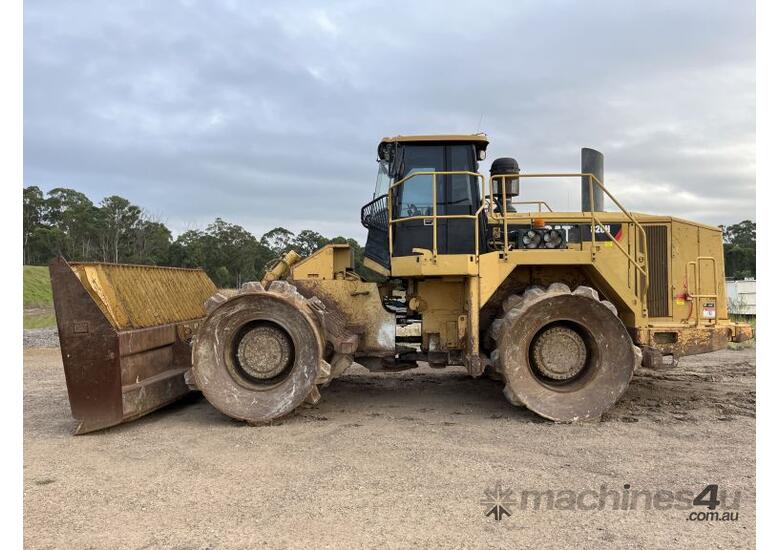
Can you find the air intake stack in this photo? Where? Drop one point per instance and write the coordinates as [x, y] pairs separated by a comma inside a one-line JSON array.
[[592, 163], [507, 170]]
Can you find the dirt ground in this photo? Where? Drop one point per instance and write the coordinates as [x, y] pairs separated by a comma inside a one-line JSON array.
[[392, 460]]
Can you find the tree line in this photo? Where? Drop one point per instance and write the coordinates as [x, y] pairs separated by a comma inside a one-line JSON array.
[[66, 222], [739, 249]]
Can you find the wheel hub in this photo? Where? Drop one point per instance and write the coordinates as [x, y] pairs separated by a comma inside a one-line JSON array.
[[264, 352], [559, 353]]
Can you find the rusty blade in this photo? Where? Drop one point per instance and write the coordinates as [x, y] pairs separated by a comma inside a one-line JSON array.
[[115, 373]]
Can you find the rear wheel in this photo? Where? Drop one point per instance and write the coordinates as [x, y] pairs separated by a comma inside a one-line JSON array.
[[565, 355]]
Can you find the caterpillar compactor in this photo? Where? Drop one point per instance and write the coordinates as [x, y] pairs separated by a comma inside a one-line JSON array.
[[561, 307]]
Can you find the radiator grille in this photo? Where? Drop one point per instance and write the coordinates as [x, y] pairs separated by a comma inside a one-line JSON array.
[[658, 292]]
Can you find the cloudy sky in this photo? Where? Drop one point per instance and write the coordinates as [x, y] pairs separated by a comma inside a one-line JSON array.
[[268, 113]]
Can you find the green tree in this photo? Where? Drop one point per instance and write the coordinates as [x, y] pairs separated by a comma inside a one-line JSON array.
[[120, 221], [65, 221], [235, 248], [151, 243], [228, 252], [75, 222], [741, 234], [739, 249], [221, 277], [307, 242], [279, 240], [33, 216], [189, 249]]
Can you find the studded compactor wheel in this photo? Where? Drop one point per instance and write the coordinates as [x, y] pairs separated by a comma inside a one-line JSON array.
[[565, 355], [259, 354]]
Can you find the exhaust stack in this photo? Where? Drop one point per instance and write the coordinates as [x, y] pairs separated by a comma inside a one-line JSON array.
[[592, 163]]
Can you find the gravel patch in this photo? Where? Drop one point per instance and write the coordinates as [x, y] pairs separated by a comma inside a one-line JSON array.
[[41, 338], [393, 460]]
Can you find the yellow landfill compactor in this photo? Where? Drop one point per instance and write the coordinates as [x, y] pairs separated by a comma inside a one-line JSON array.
[[561, 307]]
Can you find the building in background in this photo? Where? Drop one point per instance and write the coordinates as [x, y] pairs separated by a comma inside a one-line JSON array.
[[741, 297]]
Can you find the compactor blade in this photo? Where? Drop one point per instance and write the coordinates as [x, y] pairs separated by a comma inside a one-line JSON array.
[[125, 335]]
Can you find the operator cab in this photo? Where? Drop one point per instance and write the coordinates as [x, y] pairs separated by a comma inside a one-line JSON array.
[[405, 174]]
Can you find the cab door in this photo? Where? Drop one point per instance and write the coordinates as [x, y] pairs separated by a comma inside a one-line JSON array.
[[455, 194], [414, 198]]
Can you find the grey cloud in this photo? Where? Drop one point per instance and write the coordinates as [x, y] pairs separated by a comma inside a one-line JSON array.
[[268, 114]]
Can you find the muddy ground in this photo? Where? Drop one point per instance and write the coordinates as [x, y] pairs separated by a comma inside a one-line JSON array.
[[394, 460]]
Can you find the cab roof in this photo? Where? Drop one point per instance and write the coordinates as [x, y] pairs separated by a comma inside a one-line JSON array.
[[468, 138]]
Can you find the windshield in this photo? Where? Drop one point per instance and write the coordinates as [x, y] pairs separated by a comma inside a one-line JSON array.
[[455, 193], [382, 179], [417, 194]]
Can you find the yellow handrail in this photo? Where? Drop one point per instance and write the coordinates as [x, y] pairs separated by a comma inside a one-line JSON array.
[[637, 259], [697, 281], [434, 215], [537, 203], [638, 263]]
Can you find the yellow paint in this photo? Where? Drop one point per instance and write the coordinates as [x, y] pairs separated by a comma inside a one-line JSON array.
[[481, 138], [136, 296], [375, 267], [444, 304], [618, 267], [281, 268], [361, 303], [426, 265], [333, 261]]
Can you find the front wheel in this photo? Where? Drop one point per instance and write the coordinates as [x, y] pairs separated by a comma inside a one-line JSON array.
[[257, 356]]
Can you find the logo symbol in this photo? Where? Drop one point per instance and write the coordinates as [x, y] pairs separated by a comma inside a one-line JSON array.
[[497, 501]]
